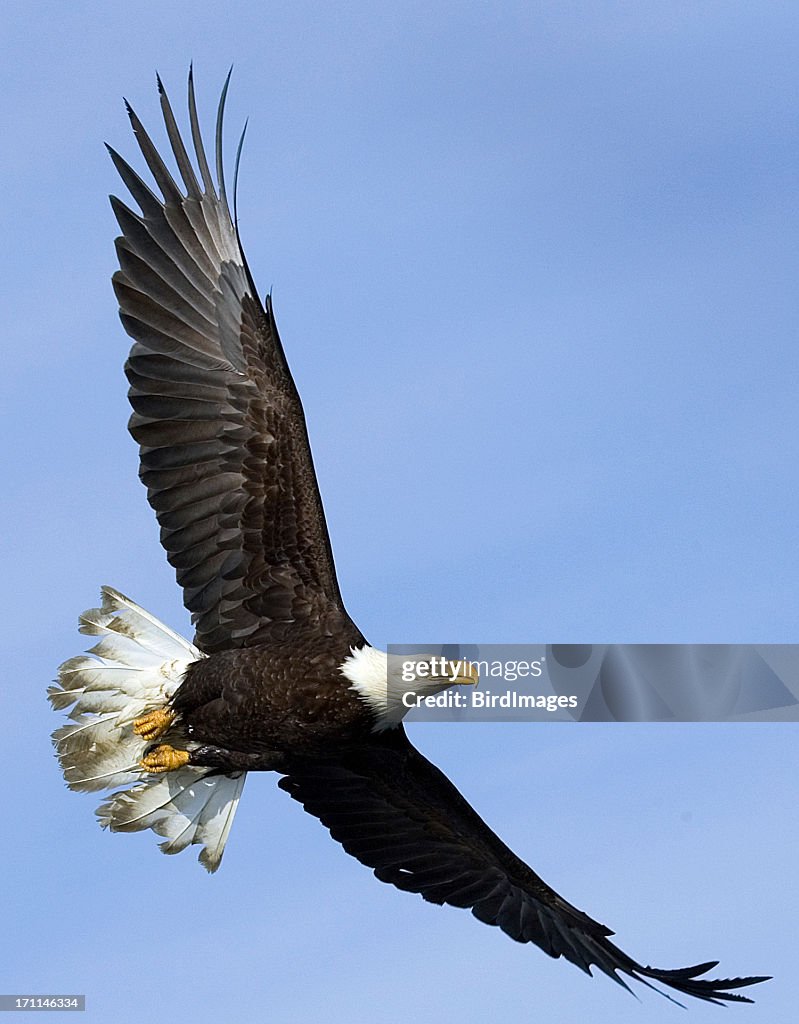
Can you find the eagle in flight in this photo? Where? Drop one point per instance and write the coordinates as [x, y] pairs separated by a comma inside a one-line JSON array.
[[279, 678]]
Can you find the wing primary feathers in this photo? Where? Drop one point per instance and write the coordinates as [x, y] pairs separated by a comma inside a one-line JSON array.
[[399, 815], [176, 141], [197, 138], [214, 402], [220, 117], [250, 281], [148, 201], [159, 169], [236, 180]]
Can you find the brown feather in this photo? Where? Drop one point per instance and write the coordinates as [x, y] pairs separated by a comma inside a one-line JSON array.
[[224, 447]]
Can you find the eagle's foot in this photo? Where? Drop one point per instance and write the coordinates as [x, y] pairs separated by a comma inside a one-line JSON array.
[[164, 758], [152, 726]]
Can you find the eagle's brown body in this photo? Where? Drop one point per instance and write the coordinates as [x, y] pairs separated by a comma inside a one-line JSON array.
[[264, 703]]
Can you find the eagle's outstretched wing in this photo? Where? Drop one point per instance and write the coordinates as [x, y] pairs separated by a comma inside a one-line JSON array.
[[397, 813], [224, 448]]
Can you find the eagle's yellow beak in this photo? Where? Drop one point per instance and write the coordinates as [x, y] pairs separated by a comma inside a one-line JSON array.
[[464, 673]]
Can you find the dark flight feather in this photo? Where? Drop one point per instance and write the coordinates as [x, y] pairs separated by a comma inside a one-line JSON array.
[[398, 814], [224, 447]]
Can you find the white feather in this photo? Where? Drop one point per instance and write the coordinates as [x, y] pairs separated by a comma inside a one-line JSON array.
[[384, 681], [123, 617], [184, 806], [135, 667]]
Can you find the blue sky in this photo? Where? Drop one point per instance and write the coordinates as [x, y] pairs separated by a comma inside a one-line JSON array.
[[534, 267]]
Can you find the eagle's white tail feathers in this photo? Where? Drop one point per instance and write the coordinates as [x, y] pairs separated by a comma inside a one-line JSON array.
[[135, 667], [185, 806]]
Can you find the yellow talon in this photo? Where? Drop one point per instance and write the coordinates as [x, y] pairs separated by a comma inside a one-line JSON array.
[[153, 725], [164, 758]]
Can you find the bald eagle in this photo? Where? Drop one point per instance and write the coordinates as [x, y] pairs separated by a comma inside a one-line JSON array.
[[279, 678]]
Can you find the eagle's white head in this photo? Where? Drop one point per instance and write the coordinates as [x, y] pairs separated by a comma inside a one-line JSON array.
[[388, 683]]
